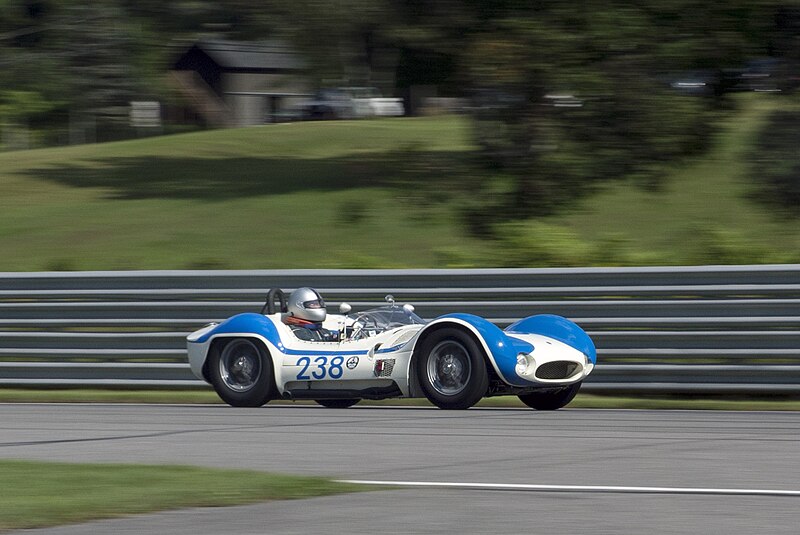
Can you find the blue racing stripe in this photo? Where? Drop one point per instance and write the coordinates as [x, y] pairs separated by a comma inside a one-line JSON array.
[[251, 323], [246, 323]]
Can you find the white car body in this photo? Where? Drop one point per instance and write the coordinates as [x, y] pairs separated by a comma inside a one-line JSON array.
[[376, 352]]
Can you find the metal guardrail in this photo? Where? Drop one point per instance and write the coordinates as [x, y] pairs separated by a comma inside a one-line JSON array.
[[682, 330]]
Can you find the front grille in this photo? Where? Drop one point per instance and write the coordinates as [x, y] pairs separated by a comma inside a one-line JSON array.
[[560, 369], [384, 367]]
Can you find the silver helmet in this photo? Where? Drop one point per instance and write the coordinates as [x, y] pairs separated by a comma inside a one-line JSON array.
[[307, 304]]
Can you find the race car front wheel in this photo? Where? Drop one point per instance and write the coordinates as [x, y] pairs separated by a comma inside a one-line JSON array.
[[241, 373], [451, 369], [550, 400]]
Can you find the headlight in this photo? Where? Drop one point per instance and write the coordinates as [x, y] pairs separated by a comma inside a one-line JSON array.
[[522, 364]]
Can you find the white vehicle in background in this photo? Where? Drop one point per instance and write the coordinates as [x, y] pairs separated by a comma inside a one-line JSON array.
[[351, 103], [367, 102]]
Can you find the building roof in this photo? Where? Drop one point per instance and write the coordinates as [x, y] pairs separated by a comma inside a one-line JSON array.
[[257, 56]]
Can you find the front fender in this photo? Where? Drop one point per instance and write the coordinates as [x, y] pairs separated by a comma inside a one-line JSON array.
[[501, 348], [557, 328]]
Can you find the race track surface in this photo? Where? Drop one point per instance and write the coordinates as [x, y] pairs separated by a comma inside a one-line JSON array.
[[742, 461]]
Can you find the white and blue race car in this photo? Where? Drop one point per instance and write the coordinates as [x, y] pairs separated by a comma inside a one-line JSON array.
[[390, 352]]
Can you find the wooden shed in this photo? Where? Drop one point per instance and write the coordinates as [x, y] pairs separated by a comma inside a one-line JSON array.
[[231, 83]]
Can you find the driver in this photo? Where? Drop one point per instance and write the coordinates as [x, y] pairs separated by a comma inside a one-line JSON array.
[[305, 312]]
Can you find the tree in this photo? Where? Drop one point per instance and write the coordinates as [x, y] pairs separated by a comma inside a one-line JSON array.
[[569, 94], [95, 46]]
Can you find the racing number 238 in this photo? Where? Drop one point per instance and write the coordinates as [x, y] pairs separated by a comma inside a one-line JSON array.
[[320, 368]]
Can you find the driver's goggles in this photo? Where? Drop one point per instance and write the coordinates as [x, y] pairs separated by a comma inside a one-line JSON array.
[[316, 303]]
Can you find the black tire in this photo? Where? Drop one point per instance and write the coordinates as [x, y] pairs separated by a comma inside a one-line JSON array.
[[241, 372], [550, 400], [337, 403], [451, 369]]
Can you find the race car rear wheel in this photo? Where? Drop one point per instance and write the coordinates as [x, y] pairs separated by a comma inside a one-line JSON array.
[[241, 373], [451, 369], [337, 403], [550, 400]]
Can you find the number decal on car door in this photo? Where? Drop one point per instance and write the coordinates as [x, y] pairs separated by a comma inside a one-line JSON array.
[[322, 369], [319, 373], [305, 362], [335, 371]]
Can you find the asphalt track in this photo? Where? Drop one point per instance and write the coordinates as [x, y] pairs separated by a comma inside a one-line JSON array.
[[575, 471]]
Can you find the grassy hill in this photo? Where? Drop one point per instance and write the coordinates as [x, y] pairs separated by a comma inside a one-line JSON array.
[[704, 213], [332, 194], [377, 193]]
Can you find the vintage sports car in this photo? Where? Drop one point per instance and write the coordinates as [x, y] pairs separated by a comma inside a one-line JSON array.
[[297, 351]]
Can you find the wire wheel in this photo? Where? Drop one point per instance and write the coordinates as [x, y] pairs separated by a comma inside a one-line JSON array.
[[449, 368], [240, 365], [241, 371]]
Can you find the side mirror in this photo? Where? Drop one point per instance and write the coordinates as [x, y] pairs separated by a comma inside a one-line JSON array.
[[344, 308]]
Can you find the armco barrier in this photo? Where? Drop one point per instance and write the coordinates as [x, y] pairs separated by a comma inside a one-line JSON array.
[[681, 330]]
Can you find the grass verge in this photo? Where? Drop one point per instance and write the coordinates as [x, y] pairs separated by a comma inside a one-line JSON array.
[[701, 212], [239, 198], [39, 494], [361, 191], [588, 401]]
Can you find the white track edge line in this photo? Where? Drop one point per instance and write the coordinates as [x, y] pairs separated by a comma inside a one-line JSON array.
[[577, 488]]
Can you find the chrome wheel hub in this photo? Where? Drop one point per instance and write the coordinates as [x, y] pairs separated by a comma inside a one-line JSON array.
[[240, 365], [449, 368]]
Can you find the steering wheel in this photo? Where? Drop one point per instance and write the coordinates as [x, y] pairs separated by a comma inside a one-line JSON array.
[[364, 320]]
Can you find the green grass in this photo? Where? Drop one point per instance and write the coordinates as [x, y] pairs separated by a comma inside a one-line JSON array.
[[703, 213], [82, 395], [38, 494], [16, 395], [377, 193], [332, 194], [710, 403]]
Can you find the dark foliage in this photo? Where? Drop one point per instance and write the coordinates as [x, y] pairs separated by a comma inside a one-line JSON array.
[[775, 163], [564, 95]]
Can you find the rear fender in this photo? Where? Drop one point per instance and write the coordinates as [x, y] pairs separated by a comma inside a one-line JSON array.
[[248, 325]]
